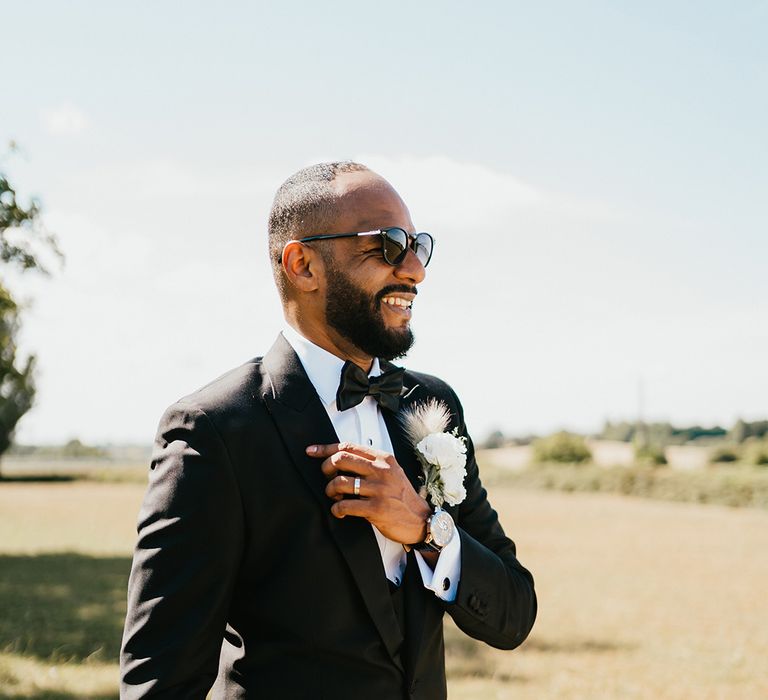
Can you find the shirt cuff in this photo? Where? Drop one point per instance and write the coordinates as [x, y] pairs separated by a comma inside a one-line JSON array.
[[444, 580]]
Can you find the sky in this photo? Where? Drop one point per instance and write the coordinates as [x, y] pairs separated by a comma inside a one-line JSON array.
[[594, 174]]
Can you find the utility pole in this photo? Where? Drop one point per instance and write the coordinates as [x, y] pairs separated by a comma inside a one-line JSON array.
[[641, 432]]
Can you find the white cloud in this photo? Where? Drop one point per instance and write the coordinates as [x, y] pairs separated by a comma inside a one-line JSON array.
[[448, 192], [64, 119]]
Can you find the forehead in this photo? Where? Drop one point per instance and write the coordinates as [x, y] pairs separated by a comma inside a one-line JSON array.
[[366, 202]]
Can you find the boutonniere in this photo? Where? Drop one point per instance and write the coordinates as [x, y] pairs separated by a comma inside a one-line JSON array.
[[442, 454]]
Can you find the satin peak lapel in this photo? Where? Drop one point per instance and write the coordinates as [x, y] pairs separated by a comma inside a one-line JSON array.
[[302, 420], [401, 446]]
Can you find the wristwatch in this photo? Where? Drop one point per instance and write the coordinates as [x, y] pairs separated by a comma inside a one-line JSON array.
[[440, 531]]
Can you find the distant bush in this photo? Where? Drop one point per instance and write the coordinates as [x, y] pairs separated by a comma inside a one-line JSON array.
[[730, 485], [75, 448], [562, 447], [494, 440], [742, 430], [660, 433], [623, 432], [724, 453], [756, 452], [650, 455]]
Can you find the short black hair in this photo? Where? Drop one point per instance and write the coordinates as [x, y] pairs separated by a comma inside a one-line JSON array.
[[305, 204]]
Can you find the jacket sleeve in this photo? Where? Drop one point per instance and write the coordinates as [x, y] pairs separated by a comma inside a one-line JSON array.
[[186, 559], [495, 602]]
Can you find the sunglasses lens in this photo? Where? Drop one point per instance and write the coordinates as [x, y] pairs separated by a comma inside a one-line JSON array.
[[423, 247], [395, 244]]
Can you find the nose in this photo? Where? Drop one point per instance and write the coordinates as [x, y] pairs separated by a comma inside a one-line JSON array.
[[410, 268]]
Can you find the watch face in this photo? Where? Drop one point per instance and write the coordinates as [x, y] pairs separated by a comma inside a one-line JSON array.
[[442, 528]]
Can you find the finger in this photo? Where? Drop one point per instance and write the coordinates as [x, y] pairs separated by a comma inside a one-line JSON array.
[[357, 507], [366, 451], [322, 451], [341, 486], [346, 462], [344, 486], [360, 450]]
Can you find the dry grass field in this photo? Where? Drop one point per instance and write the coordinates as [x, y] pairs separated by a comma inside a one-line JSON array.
[[638, 598]]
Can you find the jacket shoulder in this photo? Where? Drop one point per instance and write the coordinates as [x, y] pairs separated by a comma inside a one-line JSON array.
[[235, 392]]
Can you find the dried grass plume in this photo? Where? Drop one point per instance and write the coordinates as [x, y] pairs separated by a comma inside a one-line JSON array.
[[423, 419]]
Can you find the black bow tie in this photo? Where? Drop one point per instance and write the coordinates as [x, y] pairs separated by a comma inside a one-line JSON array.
[[355, 385]]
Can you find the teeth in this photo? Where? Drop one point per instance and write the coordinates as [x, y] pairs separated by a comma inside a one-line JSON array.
[[397, 301]]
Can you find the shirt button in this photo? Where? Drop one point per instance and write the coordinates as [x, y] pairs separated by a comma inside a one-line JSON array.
[[370, 441], [446, 584]]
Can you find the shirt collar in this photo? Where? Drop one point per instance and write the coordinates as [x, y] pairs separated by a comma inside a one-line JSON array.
[[322, 367]]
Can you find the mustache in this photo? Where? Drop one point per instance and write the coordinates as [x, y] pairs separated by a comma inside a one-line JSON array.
[[392, 288]]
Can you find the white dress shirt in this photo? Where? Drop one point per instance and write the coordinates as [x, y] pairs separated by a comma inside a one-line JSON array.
[[364, 425]]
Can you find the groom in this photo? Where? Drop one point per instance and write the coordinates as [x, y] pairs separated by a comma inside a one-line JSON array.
[[285, 548]]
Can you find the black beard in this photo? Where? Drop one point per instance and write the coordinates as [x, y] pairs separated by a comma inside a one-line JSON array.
[[357, 316]]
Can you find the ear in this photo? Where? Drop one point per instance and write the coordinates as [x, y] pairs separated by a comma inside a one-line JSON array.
[[301, 265]]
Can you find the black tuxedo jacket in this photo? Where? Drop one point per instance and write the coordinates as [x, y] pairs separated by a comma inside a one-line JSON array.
[[243, 579]]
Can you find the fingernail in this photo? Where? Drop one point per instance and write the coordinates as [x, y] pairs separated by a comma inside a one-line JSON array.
[[312, 449]]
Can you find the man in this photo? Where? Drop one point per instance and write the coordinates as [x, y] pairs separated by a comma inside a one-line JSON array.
[[278, 562]]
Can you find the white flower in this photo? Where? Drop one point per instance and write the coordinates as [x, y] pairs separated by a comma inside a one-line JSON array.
[[443, 456], [445, 450], [449, 454]]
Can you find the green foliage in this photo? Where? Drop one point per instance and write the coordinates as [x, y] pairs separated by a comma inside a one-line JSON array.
[[739, 486], [752, 451], [756, 452], [22, 238], [562, 447], [724, 454], [75, 448], [743, 431], [650, 455], [661, 434], [494, 440], [697, 432], [17, 389], [21, 241], [623, 432]]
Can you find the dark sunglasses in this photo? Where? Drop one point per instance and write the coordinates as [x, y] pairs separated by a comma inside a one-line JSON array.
[[394, 243]]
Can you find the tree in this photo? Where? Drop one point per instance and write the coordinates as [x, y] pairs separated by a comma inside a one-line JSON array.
[[22, 240], [494, 440], [22, 237], [17, 388]]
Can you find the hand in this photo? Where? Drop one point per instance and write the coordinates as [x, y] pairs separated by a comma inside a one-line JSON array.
[[387, 499]]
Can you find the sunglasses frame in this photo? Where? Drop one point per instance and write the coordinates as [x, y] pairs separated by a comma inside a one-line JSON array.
[[413, 237]]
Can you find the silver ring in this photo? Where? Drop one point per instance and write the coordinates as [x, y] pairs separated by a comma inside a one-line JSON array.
[[356, 488]]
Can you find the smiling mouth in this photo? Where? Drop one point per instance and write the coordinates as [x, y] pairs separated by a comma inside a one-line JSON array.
[[398, 302]]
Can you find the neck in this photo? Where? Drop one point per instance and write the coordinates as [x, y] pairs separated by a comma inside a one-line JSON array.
[[329, 340]]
